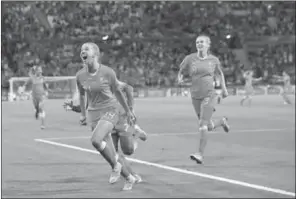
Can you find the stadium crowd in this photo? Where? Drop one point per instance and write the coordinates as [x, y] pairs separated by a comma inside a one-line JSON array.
[[144, 41]]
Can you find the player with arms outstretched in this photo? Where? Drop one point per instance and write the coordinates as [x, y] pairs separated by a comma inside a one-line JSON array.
[[100, 85], [202, 67], [39, 89], [286, 79], [123, 133], [249, 90]]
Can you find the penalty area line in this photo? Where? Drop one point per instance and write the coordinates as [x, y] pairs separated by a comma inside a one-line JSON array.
[[174, 134], [203, 175]]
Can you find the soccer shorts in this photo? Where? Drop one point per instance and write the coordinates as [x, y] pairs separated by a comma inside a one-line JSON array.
[[249, 91], [108, 114], [37, 100], [204, 108]]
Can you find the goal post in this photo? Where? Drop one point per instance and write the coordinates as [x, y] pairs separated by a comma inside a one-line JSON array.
[[61, 87]]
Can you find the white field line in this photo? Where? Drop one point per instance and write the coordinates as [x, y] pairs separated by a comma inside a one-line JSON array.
[[180, 134], [203, 175]]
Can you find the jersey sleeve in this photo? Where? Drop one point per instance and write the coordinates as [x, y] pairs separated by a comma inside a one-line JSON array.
[[79, 86]]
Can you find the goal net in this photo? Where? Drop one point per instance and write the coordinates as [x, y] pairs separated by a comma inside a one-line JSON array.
[[60, 88]]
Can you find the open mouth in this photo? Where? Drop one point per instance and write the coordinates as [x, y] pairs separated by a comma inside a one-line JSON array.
[[83, 56]]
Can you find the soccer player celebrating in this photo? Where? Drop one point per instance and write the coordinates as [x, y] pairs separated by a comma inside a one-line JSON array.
[[202, 67], [39, 89], [99, 82], [249, 90], [287, 86], [123, 133]]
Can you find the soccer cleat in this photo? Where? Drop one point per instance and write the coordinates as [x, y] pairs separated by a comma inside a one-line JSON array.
[[225, 124], [197, 158], [115, 175], [42, 127], [130, 181], [138, 178], [140, 133]]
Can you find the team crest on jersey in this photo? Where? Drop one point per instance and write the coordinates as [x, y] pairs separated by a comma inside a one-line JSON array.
[[103, 80], [85, 86], [212, 66]]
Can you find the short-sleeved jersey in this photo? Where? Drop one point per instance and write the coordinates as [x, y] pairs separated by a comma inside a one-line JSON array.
[[248, 80], [202, 72], [98, 87], [37, 85]]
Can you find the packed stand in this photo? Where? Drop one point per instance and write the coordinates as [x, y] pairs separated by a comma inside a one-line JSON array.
[[146, 40]]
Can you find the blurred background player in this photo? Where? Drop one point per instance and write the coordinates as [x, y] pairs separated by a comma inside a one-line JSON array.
[[39, 90], [202, 67], [285, 78], [249, 90], [100, 85], [123, 133]]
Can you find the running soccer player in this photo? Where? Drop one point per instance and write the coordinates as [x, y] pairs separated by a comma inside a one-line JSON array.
[[39, 89], [202, 67], [249, 90], [123, 133], [286, 88], [99, 83]]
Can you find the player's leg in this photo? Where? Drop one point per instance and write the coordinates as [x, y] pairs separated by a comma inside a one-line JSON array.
[[36, 106], [285, 97], [213, 124], [197, 106], [125, 172], [243, 100], [114, 177], [102, 141], [206, 113], [42, 112]]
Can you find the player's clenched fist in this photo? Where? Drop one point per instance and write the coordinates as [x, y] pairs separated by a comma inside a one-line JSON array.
[[131, 118]]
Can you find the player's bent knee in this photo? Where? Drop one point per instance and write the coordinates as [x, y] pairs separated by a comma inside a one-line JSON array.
[[99, 145], [99, 133]]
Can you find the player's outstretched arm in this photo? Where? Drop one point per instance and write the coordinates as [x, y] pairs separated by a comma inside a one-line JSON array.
[[118, 94], [129, 95]]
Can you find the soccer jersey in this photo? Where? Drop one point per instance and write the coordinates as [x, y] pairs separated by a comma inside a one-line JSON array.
[[248, 81], [202, 72], [37, 86], [98, 87]]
